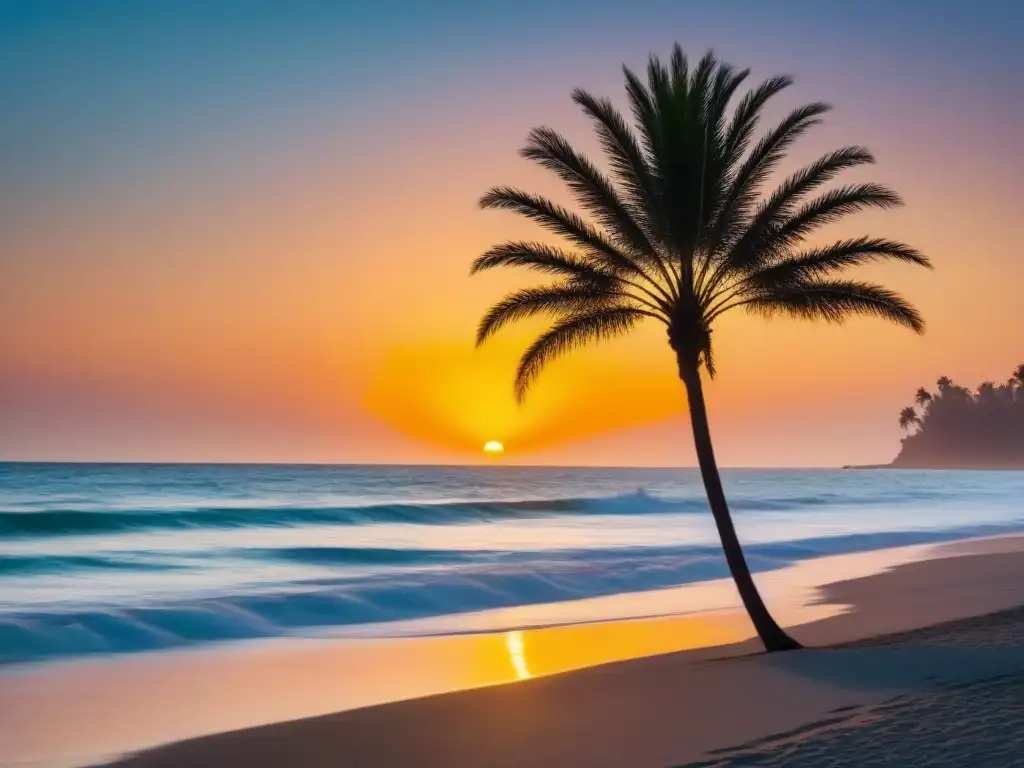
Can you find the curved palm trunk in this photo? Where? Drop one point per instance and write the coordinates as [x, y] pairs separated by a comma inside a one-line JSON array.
[[771, 634]]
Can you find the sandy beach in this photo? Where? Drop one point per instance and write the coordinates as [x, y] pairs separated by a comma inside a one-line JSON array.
[[944, 690], [900, 650]]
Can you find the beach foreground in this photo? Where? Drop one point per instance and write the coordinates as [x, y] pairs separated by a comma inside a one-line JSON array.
[[649, 689], [953, 690]]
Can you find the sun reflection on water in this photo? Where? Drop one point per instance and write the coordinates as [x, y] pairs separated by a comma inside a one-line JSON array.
[[516, 653]]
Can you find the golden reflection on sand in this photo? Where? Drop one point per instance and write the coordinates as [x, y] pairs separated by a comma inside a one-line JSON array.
[[517, 653], [561, 649]]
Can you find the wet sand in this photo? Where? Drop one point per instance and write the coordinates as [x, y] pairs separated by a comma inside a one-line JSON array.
[[840, 705]]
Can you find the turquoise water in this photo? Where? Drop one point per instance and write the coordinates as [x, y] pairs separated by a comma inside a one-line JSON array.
[[122, 558]]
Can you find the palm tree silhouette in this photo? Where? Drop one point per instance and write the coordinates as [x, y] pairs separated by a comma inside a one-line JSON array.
[[1015, 384], [680, 233], [908, 417], [964, 428], [922, 397]]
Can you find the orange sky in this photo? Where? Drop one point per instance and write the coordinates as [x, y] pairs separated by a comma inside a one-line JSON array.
[[292, 284]]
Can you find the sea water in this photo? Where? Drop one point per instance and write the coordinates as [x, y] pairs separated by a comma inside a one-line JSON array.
[[108, 558]]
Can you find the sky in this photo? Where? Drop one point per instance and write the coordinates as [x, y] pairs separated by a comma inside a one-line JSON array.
[[241, 230]]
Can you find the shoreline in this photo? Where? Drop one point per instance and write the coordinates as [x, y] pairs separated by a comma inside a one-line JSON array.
[[935, 468], [247, 688], [643, 711]]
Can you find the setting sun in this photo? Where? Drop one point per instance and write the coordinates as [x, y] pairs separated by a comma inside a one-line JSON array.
[[493, 446]]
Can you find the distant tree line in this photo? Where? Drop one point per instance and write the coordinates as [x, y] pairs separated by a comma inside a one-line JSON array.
[[957, 427]]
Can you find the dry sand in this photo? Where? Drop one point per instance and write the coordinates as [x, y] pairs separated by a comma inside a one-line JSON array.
[[951, 694]]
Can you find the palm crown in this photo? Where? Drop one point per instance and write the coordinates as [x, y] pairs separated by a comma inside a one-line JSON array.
[[908, 416], [680, 230], [922, 396]]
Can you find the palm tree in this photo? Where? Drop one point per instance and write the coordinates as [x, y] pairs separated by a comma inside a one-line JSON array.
[[987, 391], [908, 417], [680, 233], [944, 384], [1015, 384], [922, 397]]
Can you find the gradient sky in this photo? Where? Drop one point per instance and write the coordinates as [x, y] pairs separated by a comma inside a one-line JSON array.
[[241, 231]]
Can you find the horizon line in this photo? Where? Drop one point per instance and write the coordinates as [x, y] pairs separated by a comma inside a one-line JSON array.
[[426, 465]]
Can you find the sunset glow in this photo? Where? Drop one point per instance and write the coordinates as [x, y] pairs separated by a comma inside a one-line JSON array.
[[493, 447], [274, 266]]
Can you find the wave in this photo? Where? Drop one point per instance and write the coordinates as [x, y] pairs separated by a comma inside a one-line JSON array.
[[85, 522], [371, 555], [24, 565], [471, 581]]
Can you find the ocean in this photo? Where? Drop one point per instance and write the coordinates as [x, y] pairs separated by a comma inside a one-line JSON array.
[[121, 558]]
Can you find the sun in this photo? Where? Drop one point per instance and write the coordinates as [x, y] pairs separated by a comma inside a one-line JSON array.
[[493, 447]]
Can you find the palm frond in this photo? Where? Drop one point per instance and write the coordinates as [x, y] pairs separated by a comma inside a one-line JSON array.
[[749, 249], [567, 224], [747, 114], [701, 82], [780, 203], [822, 170], [727, 82], [835, 301], [542, 258], [715, 96], [580, 272], [644, 111], [563, 299], [767, 153], [732, 217], [707, 359], [626, 158], [591, 187], [819, 262], [573, 332], [829, 208], [679, 68]]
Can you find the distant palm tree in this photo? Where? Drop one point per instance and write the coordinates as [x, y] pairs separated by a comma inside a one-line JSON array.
[[987, 390], [680, 233], [961, 393], [1016, 383], [922, 397], [944, 384], [908, 417]]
